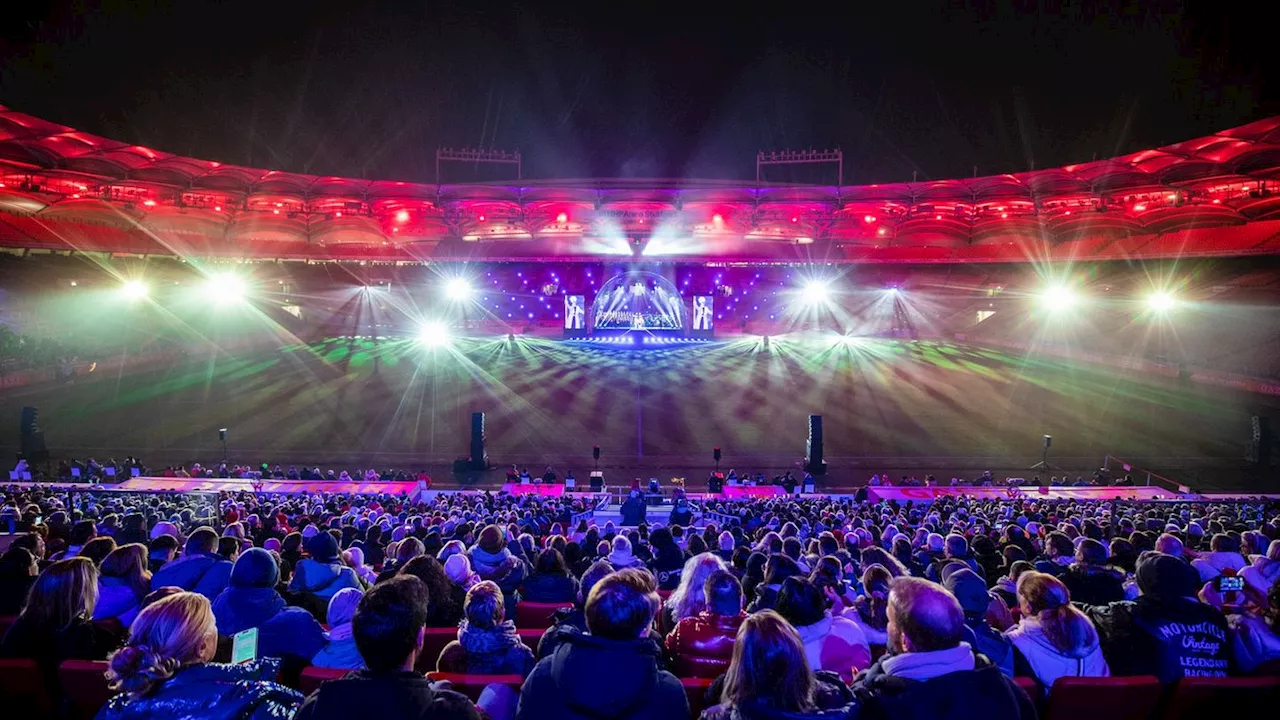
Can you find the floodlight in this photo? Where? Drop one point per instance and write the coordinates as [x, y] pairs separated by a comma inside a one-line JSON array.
[[1161, 301], [1059, 297], [135, 289], [433, 334], [225, 288], [815, 292], [458, 289]]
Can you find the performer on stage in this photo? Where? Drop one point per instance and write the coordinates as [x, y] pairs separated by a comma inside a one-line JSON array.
[[701, 313], [575, 315]]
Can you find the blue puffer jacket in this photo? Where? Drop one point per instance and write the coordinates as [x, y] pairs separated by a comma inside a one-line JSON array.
[[212, 691], [282, 631], [205, 573]]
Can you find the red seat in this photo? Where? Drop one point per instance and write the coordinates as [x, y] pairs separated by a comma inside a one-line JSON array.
[[534, 616], [664, 594], [473, 685], [84, 683], [1222, 697], [5, 622], [531, 637], [22, 687], [695, 689], [433, 642], [1115, 698], [311, 678], [697, 666]]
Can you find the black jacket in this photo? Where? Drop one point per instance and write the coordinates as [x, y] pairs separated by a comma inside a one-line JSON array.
[[1169, 638], [1093, 586], [983, 693], [591, 678], [401, 695]]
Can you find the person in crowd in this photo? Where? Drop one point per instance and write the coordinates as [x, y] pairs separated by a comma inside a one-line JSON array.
[[341, 651], [389, 628], [318, 577], [57, 622], [550, 581], [621, 556], [400, 554], [831, 642], [444, 597], [1264, 572], [487, 644], [123, 581], [769, 677], [353, 557], [689, 598], [931, 671], [164, 671], [870, 612], [573, 621], [753, 575], [877, 556], [956, 550], [458, 569], [668, 559], [200, 569], [1255, 637], [18, 572], [161, 551], [1167, 631], [1169, 544], [1223, 556], [702, 645], [1006, 587], [1090, 580], [492, 560], [1059, 553], [634, 509], [98, 549], [1054, 639], [984, 551], [612, 671], [251, 601], [971, 592], [777, 569]]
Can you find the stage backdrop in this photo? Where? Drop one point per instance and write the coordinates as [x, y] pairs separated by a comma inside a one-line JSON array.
[[639, 301]]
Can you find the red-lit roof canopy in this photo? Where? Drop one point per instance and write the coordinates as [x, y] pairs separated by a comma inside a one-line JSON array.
[[67, 190]]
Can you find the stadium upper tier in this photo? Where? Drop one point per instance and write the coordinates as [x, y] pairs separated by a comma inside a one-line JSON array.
[[66, 190]]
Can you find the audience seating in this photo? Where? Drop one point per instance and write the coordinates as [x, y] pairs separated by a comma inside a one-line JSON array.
[[433, 643], [1029, 686], [696, 690], [5, 622], [1115, 698], [22, 687], [84, 684], [1197, 698], [532, 615], [473, 685], [310, 679]]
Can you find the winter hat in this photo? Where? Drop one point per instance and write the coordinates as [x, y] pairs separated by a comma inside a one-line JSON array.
[[342, 606], [1161, 575], [322, 547], [936, 542], [271, 544], [309, 532], [458, 569], [969, 589], [164, 527], [255, 568], [491, 540]]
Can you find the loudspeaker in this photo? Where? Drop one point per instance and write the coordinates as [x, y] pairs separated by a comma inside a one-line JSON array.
[[1258, 449], [30, 422], [597, 481], [33, 447], [716, 453], [595, 452], [1048, 441], [479, 460], [813, 461]]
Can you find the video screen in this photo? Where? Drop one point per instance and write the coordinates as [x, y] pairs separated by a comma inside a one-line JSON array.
[[704, 312], [575, 312]]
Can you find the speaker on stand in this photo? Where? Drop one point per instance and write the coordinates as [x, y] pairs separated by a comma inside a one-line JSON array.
[[31, 439], [813, 460], [479, 458]]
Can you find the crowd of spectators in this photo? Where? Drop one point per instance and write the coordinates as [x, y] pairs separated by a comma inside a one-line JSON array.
[[793, 607]]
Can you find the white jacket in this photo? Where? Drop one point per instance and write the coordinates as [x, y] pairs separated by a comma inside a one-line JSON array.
[[1254, 642], [1261, 575], [1211, 564], [1047, 662]]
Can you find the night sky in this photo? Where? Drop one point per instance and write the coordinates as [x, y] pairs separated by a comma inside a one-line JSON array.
[[606, 89]]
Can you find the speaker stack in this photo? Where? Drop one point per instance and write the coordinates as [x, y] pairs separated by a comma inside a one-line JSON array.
[[32, 439], [1258, 449], [479, 459], [813, 461]]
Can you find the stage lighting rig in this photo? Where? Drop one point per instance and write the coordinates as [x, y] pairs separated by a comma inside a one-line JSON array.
[[1056, 298], [815, 292], [1161, 301], [458, 289], [433, 334], [135, 289], [225, 288]]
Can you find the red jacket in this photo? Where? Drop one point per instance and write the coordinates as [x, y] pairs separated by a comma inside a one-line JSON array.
[[702, 646]]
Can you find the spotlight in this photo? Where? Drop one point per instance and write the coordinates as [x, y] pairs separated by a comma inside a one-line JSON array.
[[815, 292], [1161, 301], [402, 216], [458, 289], [135, 289], [225, 288], [433, 334], [1059, 297]]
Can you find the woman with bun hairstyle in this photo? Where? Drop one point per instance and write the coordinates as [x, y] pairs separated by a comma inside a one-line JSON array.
[[165, 671], [1053, 639]]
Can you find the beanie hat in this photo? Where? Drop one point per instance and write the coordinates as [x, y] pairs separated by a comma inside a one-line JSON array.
[[342, 606], [322, 547], [458, 568], [935, 542], [255, 568], [309, 531], [1161, 575], [271, 544], [969, 589], [491, 540]]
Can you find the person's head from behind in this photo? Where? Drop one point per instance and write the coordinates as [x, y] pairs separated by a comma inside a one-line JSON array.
[[923, 617], [1047, 599], [18, 562], [551, 562], [723, 593], [82, 532], [778, 568], [163, 548], [129, 563], [1091, 553], [598, 571], [408, 549], [389, 623], [957, 546], [1223, 542], [1058, 545], [169, 634], [768, 666], [65, 592], [801, 602], [621, 606], [687, 600], [484, 608], [203, 541]]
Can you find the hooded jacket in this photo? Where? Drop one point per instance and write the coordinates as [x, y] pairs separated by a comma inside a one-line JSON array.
[[400, 695], [1212, 564], [251, 601], [117, 599], [205, 573], [592, 678], [835, 644], [980, 692], [212, 691], [1046, 662], [503, 568], [491, 651]]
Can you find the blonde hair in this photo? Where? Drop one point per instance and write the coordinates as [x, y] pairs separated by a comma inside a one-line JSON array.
[[484, 607], [130, 563], [167, 635], [688, 599], [1047, 598], [66, 591]]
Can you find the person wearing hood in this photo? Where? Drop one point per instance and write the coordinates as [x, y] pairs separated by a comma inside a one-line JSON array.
[[634, 509], [317, 578], [1262, 575], [975, 601], [354, 559], [831, 642], [486, 644], [341, 652], [613, 671], [1053, 639], [1090, 579], [491, 559], [1224, 554], [251, 601], [123, 581], [200, 569], [1167, 631]]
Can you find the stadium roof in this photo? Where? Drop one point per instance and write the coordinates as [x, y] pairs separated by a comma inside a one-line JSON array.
[[62, 190]]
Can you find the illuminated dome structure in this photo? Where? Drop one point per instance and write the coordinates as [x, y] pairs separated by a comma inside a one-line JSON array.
[[65, 190], [639, 301]]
